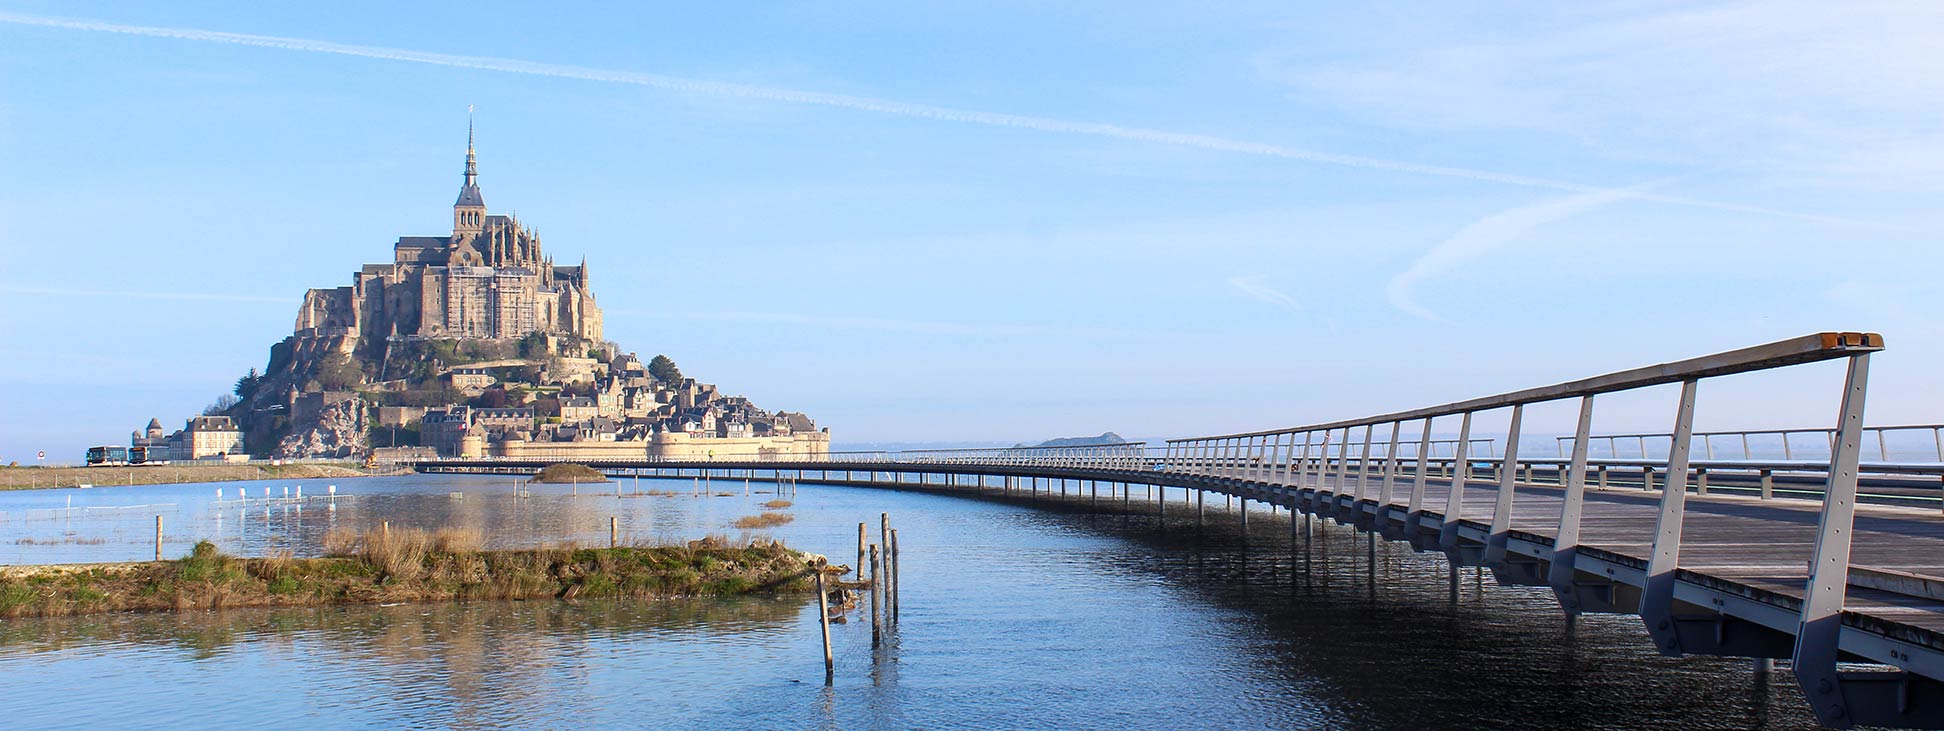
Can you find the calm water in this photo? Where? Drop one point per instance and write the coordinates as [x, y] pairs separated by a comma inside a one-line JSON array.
[[1013, 617]]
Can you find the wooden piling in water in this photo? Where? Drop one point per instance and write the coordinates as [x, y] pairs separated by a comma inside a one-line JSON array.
[[860, 552], [823, 623], [158, 538], [614, 531], [884, 539], [877, 619], [896, 599]]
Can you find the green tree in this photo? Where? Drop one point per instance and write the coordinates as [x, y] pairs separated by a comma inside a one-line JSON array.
[[339, 372], [248, 384], [534, 345], [664, 370]]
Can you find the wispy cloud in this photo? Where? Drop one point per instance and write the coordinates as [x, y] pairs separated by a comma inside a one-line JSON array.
[[1492, 232], [869, 104], [926, 327], [1768, 85], [1255, 286], [214, 297]]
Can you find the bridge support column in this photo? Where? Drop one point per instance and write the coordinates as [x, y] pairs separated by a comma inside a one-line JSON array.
[[1657, 601], [1560, 575], [1455, 499], [1896, 698]]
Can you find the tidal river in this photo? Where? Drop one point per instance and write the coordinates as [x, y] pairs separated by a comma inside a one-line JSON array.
[[1013, 617]]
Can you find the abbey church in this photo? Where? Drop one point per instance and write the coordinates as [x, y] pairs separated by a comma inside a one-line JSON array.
[[467, 345], [488, 279]]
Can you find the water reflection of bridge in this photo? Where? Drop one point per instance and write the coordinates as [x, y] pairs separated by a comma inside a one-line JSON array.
[[1834, 566]]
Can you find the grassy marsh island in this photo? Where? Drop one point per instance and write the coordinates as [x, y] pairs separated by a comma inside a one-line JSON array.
[[405, 565], [565, 472]]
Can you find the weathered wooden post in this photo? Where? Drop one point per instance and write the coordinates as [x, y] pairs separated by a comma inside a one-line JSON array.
[[158, 537], [823, 623], [877, 620], [896, 559], [614, 531], [884, 539], [860, 551]]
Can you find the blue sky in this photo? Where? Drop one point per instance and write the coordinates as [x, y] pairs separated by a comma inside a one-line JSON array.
[[997, 221]]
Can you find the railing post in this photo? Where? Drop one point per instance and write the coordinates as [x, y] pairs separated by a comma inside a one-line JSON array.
[[1258, 458], [1496, 541], [1363, 473], [1416, 504], [1657, 597], [1291, 468], [1277, 456], [1343, 471], [1302, 466], [1455, 499], [1390, 476], [1819, 637], [1566, 541]]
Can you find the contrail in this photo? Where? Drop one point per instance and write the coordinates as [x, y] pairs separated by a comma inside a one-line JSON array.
[[144, 295], [883, 106], [1491, 232], [1255, 286], [889, 325]]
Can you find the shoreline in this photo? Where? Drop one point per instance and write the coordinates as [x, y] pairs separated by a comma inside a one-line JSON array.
[[404, 566], [48, 478]]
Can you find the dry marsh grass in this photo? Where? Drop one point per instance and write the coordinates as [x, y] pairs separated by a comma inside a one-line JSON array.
[[777, 504], [765, 520], [406, 565]]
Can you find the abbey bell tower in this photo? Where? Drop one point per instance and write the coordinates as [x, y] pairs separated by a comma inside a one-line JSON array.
[[469, 212]]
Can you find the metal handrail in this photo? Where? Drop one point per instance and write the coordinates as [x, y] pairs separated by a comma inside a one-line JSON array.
[[1707, 439], [1270, 455]]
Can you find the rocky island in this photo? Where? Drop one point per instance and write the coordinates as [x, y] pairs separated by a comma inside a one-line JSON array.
[[471, 344]]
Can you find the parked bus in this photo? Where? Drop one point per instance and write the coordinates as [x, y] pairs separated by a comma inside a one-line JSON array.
[[103, 456]]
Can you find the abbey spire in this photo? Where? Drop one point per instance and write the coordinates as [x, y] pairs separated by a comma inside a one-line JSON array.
[[469, 212]]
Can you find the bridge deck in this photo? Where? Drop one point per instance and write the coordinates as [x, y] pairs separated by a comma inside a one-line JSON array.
[[1743, 546], [1761, 543]]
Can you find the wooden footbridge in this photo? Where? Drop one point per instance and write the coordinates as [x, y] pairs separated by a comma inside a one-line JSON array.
[[1835, 566]]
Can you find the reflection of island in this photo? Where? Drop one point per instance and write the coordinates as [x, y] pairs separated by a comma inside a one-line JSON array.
[[465, 659]]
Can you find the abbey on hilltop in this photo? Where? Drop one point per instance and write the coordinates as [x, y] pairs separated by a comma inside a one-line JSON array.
[[488, 279], [474, 344]]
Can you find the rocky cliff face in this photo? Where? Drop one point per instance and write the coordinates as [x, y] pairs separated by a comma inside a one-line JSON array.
[[339, 431]]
